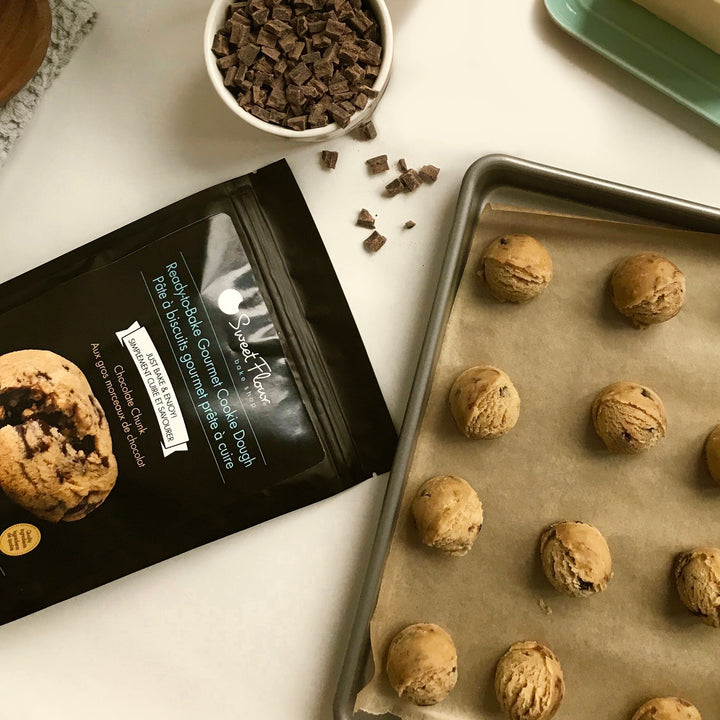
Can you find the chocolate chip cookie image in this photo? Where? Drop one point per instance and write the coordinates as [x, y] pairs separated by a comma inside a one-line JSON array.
[[56, 456]]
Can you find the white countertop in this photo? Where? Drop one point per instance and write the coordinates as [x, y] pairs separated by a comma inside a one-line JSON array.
[[254, 626]]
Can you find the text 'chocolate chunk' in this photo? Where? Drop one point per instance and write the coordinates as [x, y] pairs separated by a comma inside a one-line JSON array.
[[300, 63]]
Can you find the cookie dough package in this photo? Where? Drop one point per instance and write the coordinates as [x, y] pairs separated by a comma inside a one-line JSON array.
[[180, 379]]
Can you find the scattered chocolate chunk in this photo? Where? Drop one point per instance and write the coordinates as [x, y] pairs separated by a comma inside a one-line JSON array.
[[402, 165], [367, 131], [395, 187], [365, 219], [429, 173], [328, 50], [374, 242], [411, 180], [377, 164], [330, 158], [409, 225]]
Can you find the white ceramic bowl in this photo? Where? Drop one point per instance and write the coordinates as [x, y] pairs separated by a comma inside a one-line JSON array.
[[216, 19]]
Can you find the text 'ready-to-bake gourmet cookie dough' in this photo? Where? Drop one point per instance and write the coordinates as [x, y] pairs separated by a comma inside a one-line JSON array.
[[516, 268], [484, 402], [648, 289], [576, 558], [422, 664], [529, 682], [56, 456], [712, 453], [667, 708], [448, 514], [697, 576], [630, 418]]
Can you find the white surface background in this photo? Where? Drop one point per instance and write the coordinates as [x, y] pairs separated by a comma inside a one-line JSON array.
[[254, 626]]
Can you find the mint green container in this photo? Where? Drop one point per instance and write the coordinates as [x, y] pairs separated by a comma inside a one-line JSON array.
[[648, 47]]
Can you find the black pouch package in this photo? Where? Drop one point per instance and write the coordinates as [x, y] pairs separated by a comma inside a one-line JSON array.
[[235, 387]]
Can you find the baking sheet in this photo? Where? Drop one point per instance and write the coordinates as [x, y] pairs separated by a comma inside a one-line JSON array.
[[635, 640]]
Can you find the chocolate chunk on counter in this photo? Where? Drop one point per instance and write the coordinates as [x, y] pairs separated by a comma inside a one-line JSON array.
[[402, 165], [328, 49], [411, 180], [330, 158], [367, 131], [365, 219], [429, 173], [378, 164], [374, 242], [409, 224], [395, 187]]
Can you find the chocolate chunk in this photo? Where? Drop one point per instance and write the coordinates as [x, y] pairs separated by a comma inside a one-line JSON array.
[[262, 78], [266, 39], [645, 393], [360, 21], [299, 74], [280, 66], [282, 13], [374, 242], [378, 164], [247, 54], [395, 187], [297, 51], [370, 92], [301, 27], [277, 27], [260, 17], [372, 53], [227, 61], [240, 34], [277, 99], [221, 45], [340, 115], [365, 219], [337, 86], [298, 123], [345, 104], [402, 165], [259, 112], [264, 65], [311, 57], [259, 95], [323, 69], [245, 99], [429, 173], [367, 131], [349, 53], [230, 74], [295, 95], [409, 224], [330, 158], [360, 101], [585, 585], [335, 29], [287, 42], [411, 180], [272, 53], [317, 118], [354, 73], [316, 26]]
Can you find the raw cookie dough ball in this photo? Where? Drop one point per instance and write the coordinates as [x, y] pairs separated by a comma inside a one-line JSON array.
[[628, 417], [667, 708], [422, 664], [576, 559], [712, 453], [697, 575], [529, 682], [484, 402], [56, 457], [448, 514], [648, 289], [516, 268]]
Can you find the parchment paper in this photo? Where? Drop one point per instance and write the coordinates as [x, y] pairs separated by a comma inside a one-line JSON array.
[[635, 640]]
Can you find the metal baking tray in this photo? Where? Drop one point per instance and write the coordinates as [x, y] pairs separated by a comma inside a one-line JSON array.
[[542, 186]]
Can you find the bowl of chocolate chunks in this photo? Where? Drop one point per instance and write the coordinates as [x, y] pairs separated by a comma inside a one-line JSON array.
[[301, 69]]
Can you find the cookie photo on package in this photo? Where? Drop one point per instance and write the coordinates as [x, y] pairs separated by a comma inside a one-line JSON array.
[[185, 377]]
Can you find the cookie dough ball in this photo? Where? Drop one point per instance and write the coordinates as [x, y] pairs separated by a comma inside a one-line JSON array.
[[422, 664], [628, 417], [648, 289], [667, 708], [712, 453], [484, 402], [529, 682], [576, 559], [448, 514], [697, 576], [56, 456], [516, 268]]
